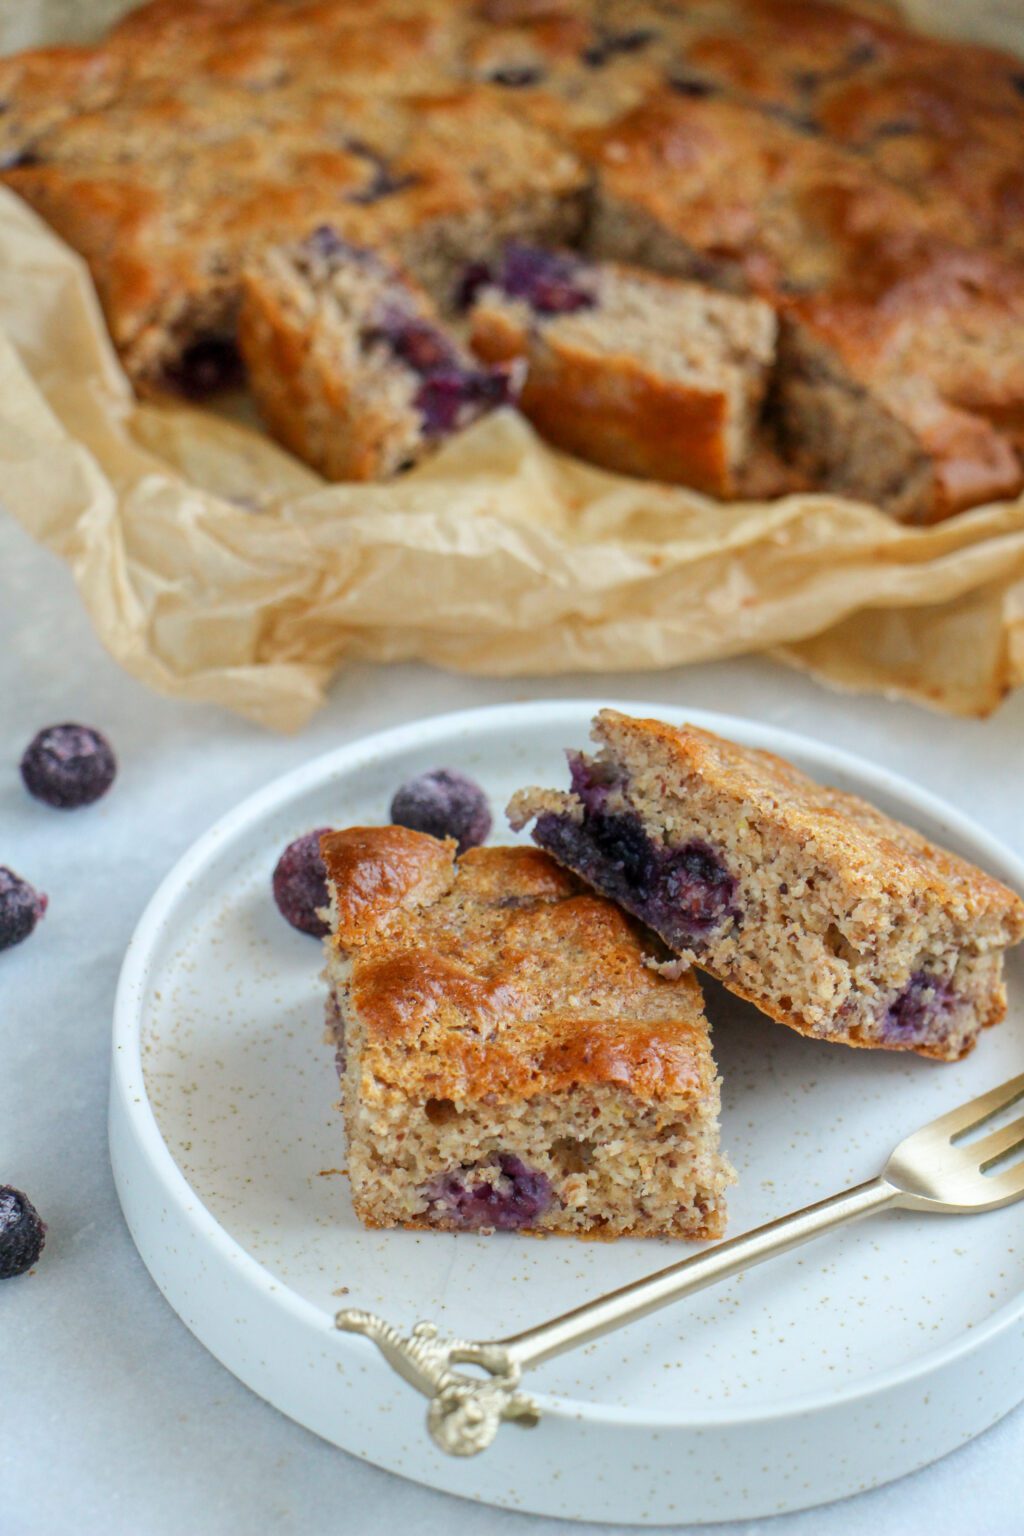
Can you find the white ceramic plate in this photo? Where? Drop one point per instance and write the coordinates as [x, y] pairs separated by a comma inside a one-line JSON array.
[[836, 1368]]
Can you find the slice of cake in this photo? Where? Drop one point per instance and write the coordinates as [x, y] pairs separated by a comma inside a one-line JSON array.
[[349, 363], [508, 1060], [806, 901], [642, 374]]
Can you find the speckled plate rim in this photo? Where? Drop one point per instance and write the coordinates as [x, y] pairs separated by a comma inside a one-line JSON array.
[[128, 1080]]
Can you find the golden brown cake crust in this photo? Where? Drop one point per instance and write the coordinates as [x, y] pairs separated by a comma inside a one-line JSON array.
[[508, 980]]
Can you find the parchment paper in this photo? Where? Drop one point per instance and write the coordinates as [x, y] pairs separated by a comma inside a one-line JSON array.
[[216, 567]]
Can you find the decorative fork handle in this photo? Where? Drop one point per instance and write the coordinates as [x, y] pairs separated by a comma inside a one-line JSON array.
[[465, 1412]]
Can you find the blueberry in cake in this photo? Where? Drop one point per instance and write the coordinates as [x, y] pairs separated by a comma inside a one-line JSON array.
[[862, 179], [181, 170], [350, 364], [643, 374], [508, 1060], [828, 915]]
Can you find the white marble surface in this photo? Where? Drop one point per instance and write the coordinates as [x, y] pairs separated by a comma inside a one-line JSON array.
[[112, 1418]]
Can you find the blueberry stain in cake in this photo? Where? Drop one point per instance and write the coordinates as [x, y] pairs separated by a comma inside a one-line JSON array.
[[22, 1233], [516, 76], [206, 366], [685, 894], [551, 282], [421, 346], [474, 278], [613, 44], [383, 181], [21, 907], [300, 884], [325, 244], [452, 393], [505, 1193], [68, 766], [451, 398], [20, 159], [444, 803], [924, 1006], [687, 83]]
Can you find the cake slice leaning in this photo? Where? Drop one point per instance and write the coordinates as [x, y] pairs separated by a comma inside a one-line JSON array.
[[828, 915], [508, 1061]]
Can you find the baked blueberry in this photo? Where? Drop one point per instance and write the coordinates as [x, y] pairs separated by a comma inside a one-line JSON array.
[[474, 277], [451, 397], [920, 1009], [445, 803], [68, 766], [21, 907], [382, 183], [22, 1233], [551, 283], [300, 884], [208, 364], [612, 43], [506, 1194], [420, 345], [515, 76], [687, 83]]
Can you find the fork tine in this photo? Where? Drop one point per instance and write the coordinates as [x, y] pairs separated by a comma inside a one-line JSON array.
[[967, 1117], [1006, 1187], [991, 1148]]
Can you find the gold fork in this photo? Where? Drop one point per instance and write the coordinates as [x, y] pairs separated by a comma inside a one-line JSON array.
[[928, 1171]]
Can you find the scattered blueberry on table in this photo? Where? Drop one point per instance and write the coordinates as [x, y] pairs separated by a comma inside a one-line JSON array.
[[22, 1233], [68, 766], [21, 907], [300, 884], [445, 803]]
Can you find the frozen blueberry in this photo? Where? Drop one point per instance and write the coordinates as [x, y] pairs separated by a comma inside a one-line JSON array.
[[300, 884], [20, 908], [68, 766], [444, 803], [22, 1233], [550, 283], [506, 1194]]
